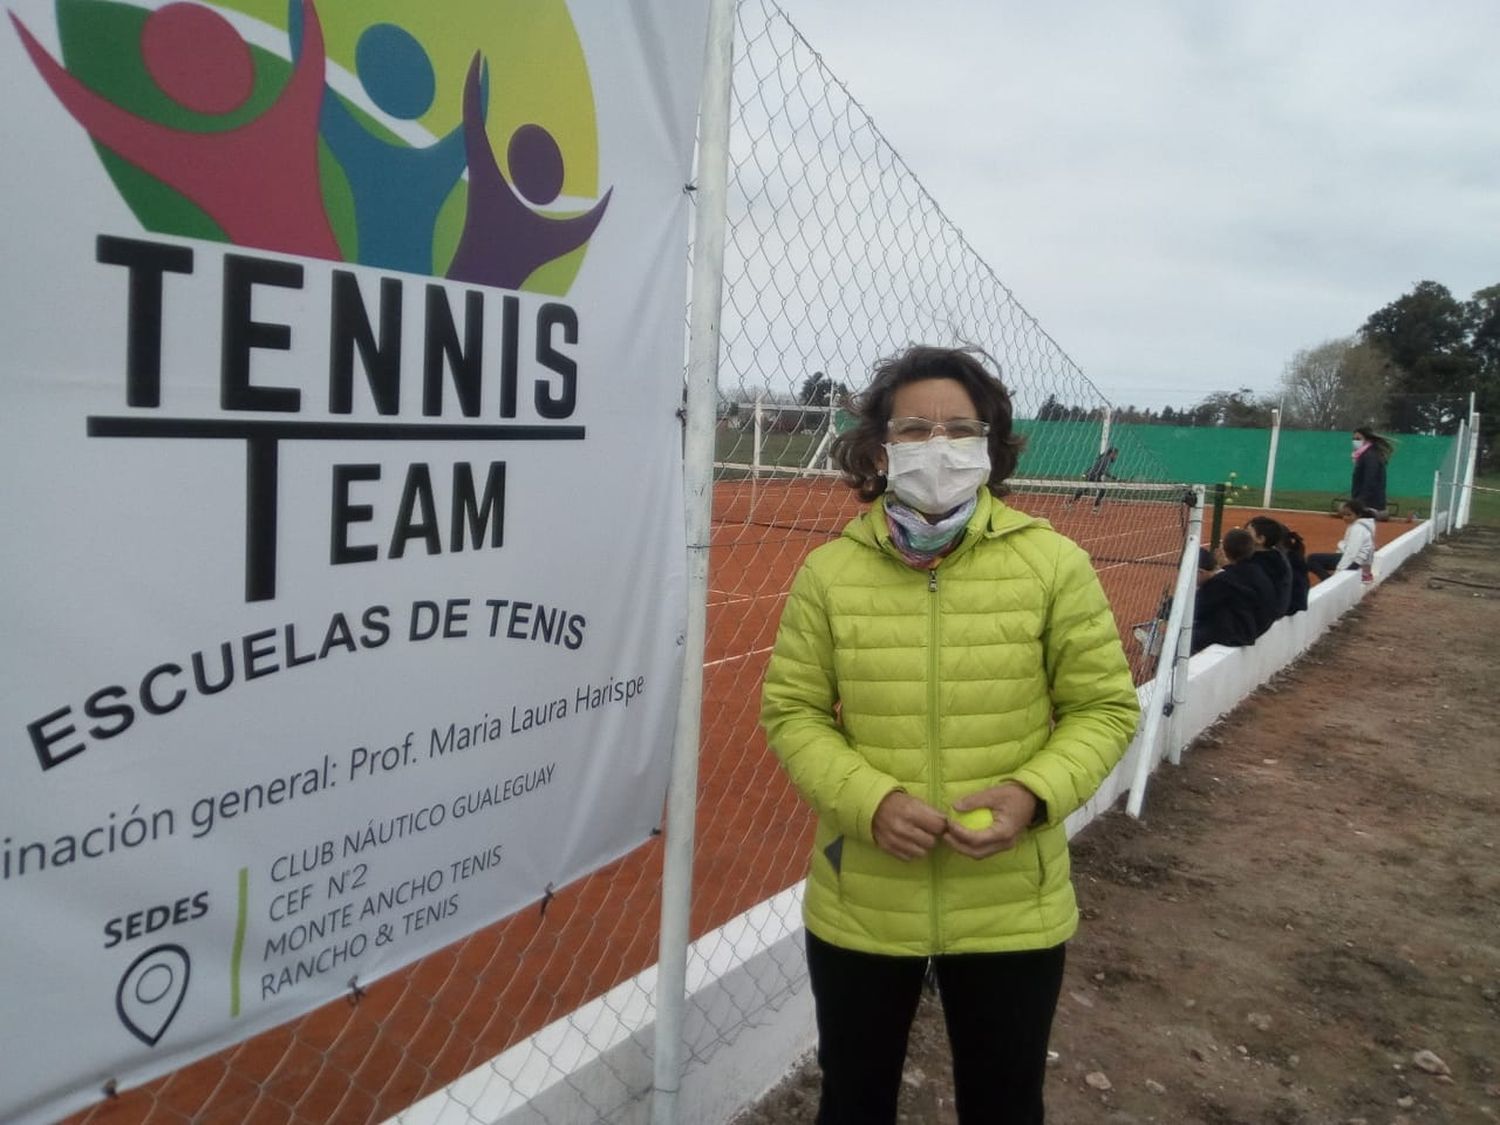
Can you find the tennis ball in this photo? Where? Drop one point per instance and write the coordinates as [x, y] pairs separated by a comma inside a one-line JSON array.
[[975, 820]]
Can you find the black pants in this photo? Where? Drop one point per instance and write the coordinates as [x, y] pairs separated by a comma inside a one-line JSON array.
[[998, 1008], [1324, 563], [1098, 496]]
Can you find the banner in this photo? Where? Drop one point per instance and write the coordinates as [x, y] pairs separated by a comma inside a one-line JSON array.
[[343, 576]]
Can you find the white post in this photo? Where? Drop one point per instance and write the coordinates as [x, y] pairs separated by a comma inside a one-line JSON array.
[[1432, 513], [1109, 417], [1450, 524], [819, 456], [1271, 457], [1187, 574], [711, 195], [1468, 489], [1185, 637], [759, 433]]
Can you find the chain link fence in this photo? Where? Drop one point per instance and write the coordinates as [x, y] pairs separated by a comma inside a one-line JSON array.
[[836, 256]]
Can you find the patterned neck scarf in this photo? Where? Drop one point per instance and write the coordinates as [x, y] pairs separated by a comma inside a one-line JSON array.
[[923, 544]]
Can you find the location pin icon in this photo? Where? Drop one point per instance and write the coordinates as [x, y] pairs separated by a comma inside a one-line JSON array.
[[151, 991]]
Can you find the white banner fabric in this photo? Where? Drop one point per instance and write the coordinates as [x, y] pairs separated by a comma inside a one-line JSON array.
[[343, 575]]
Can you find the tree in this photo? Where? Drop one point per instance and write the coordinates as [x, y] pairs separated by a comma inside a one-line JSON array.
[[1052, 410], [1339, 384], [1366, 375], [1234, 408], [819, 390], [1425, 335], [1482, 318], [1426, 322], [1311, 385]]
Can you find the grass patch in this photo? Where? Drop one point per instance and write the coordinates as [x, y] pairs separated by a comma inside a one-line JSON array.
[[1485, 506], [1400, 506], [786, 451]]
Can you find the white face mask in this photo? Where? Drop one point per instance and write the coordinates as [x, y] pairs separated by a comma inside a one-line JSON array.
[[936, 475], [1356, 443]]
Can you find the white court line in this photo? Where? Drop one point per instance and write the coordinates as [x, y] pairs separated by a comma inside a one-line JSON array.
[[1163, 556], [729, 597], [741, 656], [737, 599]]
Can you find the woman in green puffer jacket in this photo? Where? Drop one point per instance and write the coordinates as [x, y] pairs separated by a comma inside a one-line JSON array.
[[947, 686]]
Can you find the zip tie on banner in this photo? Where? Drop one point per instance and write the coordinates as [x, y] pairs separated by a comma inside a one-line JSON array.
[[356, 994], [112, 1088], [546, 898]]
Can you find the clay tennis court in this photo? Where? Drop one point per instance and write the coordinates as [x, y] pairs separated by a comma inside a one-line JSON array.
[[419, 1029]]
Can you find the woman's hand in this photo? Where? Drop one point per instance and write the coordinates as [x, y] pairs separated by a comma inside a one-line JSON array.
[[1013, 805], [906, 827]]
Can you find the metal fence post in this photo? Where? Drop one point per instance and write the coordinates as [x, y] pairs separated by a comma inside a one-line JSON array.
[[712, 194], [1467, 496], [1161, 694], [1265, 501]]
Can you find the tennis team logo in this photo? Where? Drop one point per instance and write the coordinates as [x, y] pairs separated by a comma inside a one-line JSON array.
[[452, 138]]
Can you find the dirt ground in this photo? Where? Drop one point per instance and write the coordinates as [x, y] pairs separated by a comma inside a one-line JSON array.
[[1304, 929]]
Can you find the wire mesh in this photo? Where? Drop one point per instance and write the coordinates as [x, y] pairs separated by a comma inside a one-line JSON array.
[[836, 256]]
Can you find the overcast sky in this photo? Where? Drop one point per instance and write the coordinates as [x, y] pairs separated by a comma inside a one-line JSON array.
[[1186, 192]]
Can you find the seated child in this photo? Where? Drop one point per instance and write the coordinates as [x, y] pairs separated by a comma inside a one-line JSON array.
[[1357, 547], [1237, 604], [1269, 536]]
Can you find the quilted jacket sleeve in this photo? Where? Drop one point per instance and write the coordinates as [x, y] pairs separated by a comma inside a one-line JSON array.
[[1093, 700], [797, 711]]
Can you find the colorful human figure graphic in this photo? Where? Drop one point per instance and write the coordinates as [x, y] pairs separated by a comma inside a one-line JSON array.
[[504, 240], [258, 181], [398, 190]]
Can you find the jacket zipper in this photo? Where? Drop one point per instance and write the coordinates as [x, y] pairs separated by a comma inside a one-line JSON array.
[[934, 792]]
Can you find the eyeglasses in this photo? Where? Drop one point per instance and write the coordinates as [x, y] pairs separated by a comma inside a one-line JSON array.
[[920, 429]]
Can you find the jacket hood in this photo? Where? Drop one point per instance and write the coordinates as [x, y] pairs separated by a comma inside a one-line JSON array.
[[992, 519]]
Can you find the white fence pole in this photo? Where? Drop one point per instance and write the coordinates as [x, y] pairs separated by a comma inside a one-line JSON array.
[[1467, 496], [1185, 636], [759, 434], [819, 456], [1271, 457], [710, 224], [1460, 447], [1161, 694], [1432, 514]]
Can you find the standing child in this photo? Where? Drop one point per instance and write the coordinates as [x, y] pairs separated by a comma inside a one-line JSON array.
[[1371, 452]]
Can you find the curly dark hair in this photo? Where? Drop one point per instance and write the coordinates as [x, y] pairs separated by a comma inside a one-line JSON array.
[[859, 451]]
